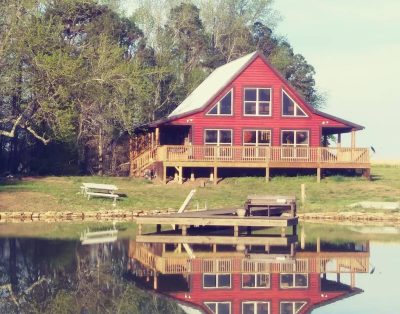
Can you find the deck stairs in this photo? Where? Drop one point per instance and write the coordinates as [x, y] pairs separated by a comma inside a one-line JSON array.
[[143, 161]]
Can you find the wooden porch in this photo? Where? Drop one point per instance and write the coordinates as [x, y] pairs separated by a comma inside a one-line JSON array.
[[265, 157]]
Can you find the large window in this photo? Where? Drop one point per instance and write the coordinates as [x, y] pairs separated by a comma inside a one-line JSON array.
[[257, 101], [291, 307], [255, 281], [218, 137], [216, 281], [256, 307], [219, 307], [222, 107], [293, 281], [290, 108], [295, 138], [256, 137]]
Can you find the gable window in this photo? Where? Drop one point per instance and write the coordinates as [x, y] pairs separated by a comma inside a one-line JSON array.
[[293, 281], [290, 108], [211, 281], [256, 307], [222, 107], [219, 307], [255, 281], [288, 307], [257, 101]]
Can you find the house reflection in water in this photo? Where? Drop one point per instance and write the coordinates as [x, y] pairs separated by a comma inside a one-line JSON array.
[[260, 279]]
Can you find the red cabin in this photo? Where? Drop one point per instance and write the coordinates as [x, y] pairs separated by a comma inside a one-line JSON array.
[[245, 115]]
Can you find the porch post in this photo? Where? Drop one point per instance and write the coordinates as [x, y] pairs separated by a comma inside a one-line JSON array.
[[164, 174], [318, 175], [339, 140], [215, 175], [353, 138], [267, 174], [157, 136]]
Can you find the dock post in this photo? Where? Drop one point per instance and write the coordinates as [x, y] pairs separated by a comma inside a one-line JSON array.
[[139, 229], [235, 231], [158, 228], [303, 193], [184, 230], [249, 230], [215, 175], [283, 232], [318, 244], [155, 281], [319, 175], [180, 174], [267, 174], [302, 238], [292, 249]]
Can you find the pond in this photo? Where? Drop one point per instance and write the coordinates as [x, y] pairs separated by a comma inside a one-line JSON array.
[[100, 268]]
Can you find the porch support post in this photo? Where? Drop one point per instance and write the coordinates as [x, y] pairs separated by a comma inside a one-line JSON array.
[[318, 175], [325, 143], [267, 174], [353, 138], [180, 171], [215, 175], [157, 136], [155, 281], [164, 174], [339, 140]]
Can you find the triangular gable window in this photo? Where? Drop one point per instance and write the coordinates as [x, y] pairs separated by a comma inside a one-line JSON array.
[[290, 107], [222, 107]]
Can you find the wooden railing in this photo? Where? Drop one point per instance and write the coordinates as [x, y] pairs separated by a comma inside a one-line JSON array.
[[264, 154], [144, 159], [183, 265]]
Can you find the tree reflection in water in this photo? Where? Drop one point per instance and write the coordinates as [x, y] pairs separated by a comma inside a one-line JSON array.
[[64, 277]]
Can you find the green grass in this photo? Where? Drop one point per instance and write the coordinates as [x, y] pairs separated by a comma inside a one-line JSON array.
[[331, 195]]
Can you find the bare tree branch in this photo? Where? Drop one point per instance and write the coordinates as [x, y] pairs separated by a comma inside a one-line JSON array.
[[12, 132]]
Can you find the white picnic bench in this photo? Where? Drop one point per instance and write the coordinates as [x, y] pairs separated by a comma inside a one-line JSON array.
[[99, 190]]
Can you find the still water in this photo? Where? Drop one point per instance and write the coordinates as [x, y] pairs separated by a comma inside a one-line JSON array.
[[332, 269]]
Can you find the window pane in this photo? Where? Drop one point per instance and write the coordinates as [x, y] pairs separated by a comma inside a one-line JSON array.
[[225, 137], [211, 136], [250, 108], [250, 94], [288, 105], [264, 94], [287, 137], [301, 280], [212, 307], [264, 137], [262, 308], [225, 104], [262, 280], [248, 308], [214, 110], [224, 308], [210, 281], [249, 137], [248, 281], [286, 308], [287, 280], [300, 112], [263, 108], [224, 280], [301, 137]]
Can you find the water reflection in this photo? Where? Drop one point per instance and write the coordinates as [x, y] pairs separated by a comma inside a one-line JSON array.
[[223, 279]]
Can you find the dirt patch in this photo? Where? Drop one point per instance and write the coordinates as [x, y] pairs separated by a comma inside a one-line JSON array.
[[27, 201]]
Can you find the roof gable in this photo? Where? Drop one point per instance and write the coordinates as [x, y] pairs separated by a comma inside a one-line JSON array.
[[212, 85]]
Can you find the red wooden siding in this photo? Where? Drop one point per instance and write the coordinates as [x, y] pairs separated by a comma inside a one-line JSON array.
[[257, 74], [236, 295]]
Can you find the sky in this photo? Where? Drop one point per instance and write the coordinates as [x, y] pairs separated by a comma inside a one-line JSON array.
[[354, 47]]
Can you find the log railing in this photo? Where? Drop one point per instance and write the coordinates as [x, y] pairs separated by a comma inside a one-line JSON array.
[[262, 154]]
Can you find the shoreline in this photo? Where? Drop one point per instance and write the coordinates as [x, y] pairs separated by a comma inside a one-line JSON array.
[[120, 215]]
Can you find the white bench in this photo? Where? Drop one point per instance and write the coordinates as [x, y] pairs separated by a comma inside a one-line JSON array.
[[114, 196]]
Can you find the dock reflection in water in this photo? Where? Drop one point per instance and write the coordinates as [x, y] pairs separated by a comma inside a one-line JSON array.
[[249, 277]]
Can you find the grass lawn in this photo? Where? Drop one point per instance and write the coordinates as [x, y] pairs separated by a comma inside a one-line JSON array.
[[332, 194]]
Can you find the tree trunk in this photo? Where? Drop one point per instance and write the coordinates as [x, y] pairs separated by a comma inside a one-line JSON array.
[[100, 153]]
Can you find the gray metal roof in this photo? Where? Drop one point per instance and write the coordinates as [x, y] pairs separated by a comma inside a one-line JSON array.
[[211, 86]]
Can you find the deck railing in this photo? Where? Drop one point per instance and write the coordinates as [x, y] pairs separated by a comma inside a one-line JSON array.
[[262, 154]]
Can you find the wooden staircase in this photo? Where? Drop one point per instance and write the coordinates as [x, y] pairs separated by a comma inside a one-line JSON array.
[[143, 161]]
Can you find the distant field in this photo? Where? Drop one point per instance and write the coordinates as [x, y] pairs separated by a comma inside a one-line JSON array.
[[332, 194]]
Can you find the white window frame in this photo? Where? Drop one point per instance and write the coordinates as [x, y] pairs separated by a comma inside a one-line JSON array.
[[296, 105], [294, 281], [294, 138], [219, 302], [257, 101], [217, 281], [218, 105], [257, 131], [255, 305], [257, 287], [218, 143], [293, 306]]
